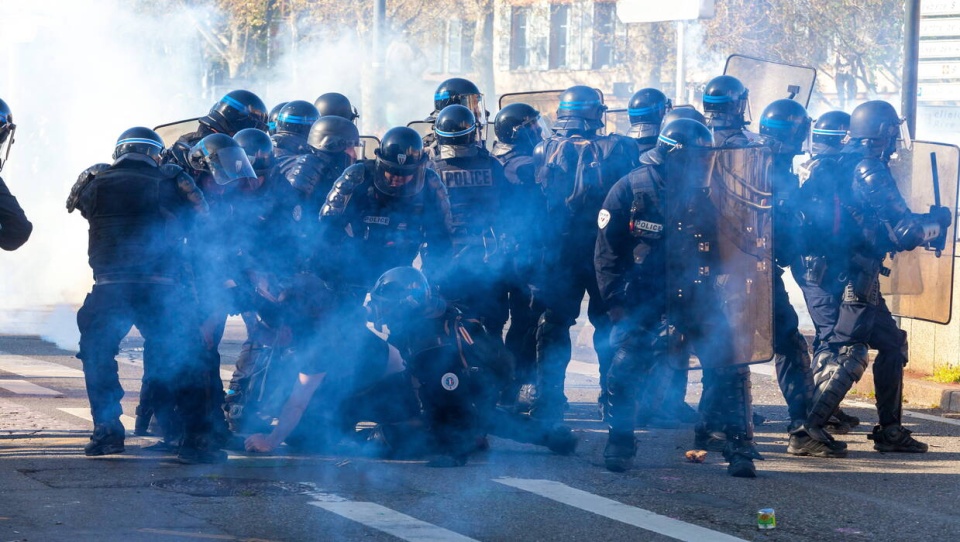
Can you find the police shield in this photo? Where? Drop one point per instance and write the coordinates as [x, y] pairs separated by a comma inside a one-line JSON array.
[[720, 259], [920, 284], [768, 81], [172, 131], [369, 144]]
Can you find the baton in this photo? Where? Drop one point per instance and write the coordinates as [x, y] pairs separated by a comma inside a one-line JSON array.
[[940, 242]]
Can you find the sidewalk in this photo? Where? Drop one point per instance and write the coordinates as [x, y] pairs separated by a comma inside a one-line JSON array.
[[917, 391]]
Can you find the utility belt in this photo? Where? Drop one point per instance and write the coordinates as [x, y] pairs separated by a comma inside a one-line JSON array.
[[862, 268]]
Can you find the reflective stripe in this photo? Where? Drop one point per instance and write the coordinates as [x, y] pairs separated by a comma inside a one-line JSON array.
[[716, 99], [233, 103], [667, 140], [139, 140], [641, 111], [456, 134], [825, 132], [296, 119]]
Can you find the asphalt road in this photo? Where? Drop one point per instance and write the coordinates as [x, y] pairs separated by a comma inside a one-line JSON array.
[[50, 491]]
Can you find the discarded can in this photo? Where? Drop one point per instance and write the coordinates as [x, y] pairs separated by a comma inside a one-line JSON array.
[[766, 519]]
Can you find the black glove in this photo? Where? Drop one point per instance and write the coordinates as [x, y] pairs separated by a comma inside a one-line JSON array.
[[942, 215]]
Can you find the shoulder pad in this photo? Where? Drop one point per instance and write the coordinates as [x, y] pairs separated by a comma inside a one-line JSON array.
[[344, 189], [82, 181], [303, 171], [172, 170]]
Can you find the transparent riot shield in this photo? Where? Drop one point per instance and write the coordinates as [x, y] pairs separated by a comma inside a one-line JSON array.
[[920, 284], [172, 131], [369, 144], [724, 240], [768, 81], [617, 121]]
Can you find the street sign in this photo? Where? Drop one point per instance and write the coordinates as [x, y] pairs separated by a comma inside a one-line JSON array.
[[939, 49], [645, 11]]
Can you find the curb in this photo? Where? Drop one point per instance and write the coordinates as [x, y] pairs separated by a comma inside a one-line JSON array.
[[917, 391]]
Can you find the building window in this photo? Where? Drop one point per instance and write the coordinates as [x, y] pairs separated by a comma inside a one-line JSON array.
[[519, 25], [559, 35], [604, 31], [460, 46]]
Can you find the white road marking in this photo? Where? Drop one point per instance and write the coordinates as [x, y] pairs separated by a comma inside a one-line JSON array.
[[384, 519], [129, 422], [35, 368], [22, 387], [608, 508], [908, 413], [584, 368]]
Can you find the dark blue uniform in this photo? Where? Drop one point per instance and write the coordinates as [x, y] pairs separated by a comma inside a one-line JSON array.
[[15, 229]]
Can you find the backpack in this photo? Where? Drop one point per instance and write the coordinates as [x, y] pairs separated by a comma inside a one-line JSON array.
[[571, 175]]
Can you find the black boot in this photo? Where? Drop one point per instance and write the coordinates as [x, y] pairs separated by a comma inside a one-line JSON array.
[[107, 439], [619, 451], [895, 438], [802, 443], [841, 423], [713, 440], [740, 453], [197, 449]]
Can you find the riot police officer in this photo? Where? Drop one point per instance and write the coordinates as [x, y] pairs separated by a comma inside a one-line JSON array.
[[379, 215], [457, 91], [139, 213], [576, 166], [292, 128], [650, 267], [646, 109], [841, 278], [15, 229], [334, 103], [236, 110], [272, 117], [784, 127], [474, 277], [724, 105], [519, 128]]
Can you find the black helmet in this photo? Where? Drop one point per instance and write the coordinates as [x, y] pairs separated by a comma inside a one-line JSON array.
[[139, 140], [829, 132], [401, 156], [581, 108], [785, 125], [334, 103], [683, 112], [7, 129], [400, 295], [680, 145], [296, 118], [646, 109], [684, 133], [876, 126], [272, 117], [725, 102], [222, 157], [237, 110], [333, 133], [259, 148], [455, 125], [462, 92], [875, 119], [518, 124]]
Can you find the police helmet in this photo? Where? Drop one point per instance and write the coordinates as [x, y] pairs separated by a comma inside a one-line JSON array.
[[830, 131], [648, 106], [725, 95], [455, 125], [222, 157], [402, 294], [334, 103], [139, 140], [259, 148], [400, 163], [7, 129], [519, 123], [272, 117], [581, 108], [459, 91], [684, 133], [296, 118], [875, 119], [333, 133], [237, 110], [785, 125], [683, 112]]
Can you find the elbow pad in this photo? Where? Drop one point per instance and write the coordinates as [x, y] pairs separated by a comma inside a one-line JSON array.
[[915, 230]]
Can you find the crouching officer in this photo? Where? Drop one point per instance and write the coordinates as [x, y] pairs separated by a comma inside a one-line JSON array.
[[139, 214]]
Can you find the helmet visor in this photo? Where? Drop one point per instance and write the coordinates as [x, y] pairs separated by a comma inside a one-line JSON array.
[[398, 181], [7, 132], [230, 164]]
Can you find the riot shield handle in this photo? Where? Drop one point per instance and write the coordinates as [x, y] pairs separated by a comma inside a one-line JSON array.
[[792, 91], [940, 242]]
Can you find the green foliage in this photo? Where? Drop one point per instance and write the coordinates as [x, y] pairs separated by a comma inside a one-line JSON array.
[[946, 374]]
